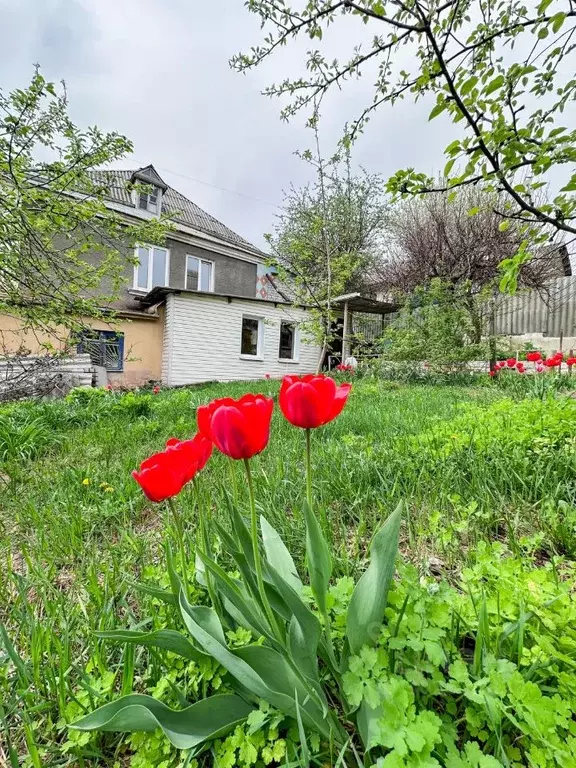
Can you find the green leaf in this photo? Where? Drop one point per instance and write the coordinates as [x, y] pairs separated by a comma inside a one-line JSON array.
[[206, 720], [368, 602], [259, 670], [167, 639], [468, 85], [504, 225], [278, 555], [252, 618], [448, 167], [175, 582], [304, 628], [318, 558], [160, 594], [367, 720], [281, 678], [558, 20], [494, 84], [437, 110], [206, 618]]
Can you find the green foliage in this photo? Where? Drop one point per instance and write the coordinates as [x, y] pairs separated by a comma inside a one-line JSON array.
[[54, 214], [499, 73], [70, 553], [431, 699], [328, 237], [133, 406], [434, 325], [23, 438]]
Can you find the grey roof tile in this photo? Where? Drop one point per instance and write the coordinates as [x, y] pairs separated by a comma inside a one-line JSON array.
[[174, 204]]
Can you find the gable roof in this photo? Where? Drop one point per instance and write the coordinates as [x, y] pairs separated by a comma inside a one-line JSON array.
[[179, 208]]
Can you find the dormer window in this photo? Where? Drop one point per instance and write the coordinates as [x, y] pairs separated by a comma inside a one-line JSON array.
[[149, 200], [148, 189]]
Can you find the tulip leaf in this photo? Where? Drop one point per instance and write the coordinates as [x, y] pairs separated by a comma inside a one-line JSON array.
[[259, 670], [318, 558], [280, 677], [206, 618], [206, 720], [244, 567], [167, 639], [243, 536], [252, 618], [304, 628], [175, 582], [203, 624], [160, 594], [278, 555], [368, 602], [368, 720]]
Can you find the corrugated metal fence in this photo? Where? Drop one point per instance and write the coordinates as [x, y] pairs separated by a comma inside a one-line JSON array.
[[551, 311]]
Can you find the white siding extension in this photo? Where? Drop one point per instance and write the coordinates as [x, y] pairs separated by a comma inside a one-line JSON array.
[[204, 333]]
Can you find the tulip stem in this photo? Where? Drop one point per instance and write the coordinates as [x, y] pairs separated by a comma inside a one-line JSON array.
[[256, 553], [308, 470], [180, 536], [325, 614]]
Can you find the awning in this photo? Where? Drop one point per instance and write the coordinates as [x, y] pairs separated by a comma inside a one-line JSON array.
[[358, 303]]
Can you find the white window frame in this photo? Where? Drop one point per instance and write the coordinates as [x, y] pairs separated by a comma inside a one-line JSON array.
[[296, 346], [150, 249], [138, 192], [260, 344], [200, 260]]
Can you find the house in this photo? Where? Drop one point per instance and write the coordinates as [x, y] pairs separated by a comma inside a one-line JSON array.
[[204, 306]]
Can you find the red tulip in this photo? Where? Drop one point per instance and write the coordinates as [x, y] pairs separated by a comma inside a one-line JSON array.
[[570, 361], [161, 476], [520, 367], [511, 362], [492, 372], [238, 428], [311, 401], [553, 362], [155, 390], [194, 453], [533, 357]]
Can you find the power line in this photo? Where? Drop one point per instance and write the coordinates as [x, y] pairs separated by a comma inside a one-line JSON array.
[[215, 186]]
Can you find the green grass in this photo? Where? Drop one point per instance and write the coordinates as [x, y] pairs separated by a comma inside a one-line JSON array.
[[76, 531]]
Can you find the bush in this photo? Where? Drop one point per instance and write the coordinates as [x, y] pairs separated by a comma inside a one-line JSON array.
[[436, 325], [133, 405]]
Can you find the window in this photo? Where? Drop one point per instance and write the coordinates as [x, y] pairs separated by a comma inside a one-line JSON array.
[[199, 274], [150, 200], [106, 348], [287, 349], [251, 344], [152, 267]]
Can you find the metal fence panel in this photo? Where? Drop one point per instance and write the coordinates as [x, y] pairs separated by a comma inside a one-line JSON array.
[[551, 311]]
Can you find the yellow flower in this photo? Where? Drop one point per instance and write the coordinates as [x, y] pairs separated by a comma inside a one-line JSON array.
[[109, 489], [86, 481]]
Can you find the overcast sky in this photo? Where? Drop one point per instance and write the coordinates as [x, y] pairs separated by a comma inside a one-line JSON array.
[[159, 73]]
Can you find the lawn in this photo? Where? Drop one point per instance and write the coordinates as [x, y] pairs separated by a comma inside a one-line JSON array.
[[489, 529]]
